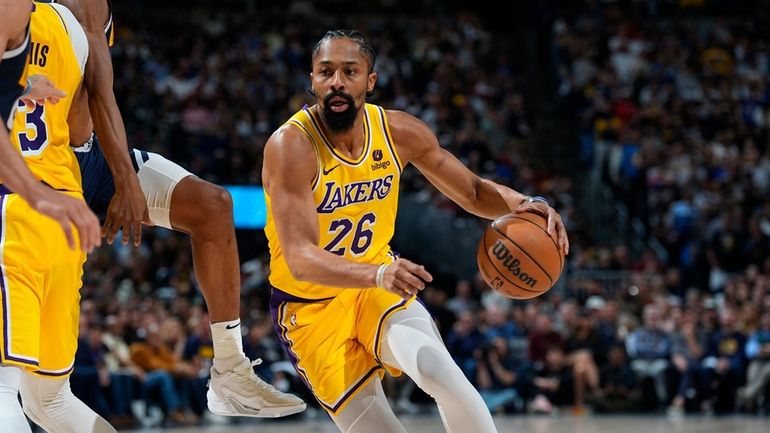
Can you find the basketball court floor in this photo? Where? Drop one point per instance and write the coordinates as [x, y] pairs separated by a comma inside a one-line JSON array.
[[517, 424]]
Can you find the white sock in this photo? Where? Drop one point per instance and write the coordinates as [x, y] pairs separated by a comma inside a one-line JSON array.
[[12, 418], [228, 344]]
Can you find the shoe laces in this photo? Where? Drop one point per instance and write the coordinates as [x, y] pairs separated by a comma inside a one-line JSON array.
[[249, 376]]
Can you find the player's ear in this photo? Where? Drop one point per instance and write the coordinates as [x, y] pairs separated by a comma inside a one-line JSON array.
[[372, 82]]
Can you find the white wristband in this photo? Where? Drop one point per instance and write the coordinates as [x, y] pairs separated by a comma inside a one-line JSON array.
[[538, 198], [380, 274]]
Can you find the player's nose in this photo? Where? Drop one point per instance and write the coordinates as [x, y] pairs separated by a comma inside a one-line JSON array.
[[337, 81]]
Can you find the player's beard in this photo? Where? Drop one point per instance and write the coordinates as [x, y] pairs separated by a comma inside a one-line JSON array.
[[339, 122]]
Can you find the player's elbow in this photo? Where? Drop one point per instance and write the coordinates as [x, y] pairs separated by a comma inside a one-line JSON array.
[[298, 264]]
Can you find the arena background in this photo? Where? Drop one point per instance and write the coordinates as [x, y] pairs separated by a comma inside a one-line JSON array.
[[645, 123]]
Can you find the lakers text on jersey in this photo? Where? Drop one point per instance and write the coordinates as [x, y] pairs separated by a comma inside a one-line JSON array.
[[332, 335]]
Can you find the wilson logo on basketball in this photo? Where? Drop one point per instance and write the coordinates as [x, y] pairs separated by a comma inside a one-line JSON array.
[[511, 263]]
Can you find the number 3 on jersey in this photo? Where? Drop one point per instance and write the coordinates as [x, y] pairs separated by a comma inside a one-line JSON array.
[[34, 139], [362, 237]]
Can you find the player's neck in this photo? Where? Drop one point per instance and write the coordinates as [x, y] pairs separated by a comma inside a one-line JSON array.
[[351, 142]]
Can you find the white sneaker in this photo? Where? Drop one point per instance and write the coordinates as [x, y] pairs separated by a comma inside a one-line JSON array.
[[240, 392]]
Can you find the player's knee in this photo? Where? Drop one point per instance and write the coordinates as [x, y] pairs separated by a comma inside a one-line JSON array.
[[436, 368], [217, 200]]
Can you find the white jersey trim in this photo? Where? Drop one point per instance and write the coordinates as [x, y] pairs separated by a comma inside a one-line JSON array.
[[76, 33]]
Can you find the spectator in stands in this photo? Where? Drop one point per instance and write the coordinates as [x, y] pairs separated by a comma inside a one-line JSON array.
[[123, 372], [435, 302], [581, 346], [758, 354], [687, 348], [160, 365], [542, 338], [618, 385], [464, 343], [724, 367], [198, 352], [90, 378], [463, 299], [649, 349], [498, 323], [553, 383], [500, 378]]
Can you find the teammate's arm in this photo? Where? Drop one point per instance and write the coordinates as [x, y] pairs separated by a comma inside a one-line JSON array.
[[288, 171], [128, 207], [14, 172], [41, 90], [418, 144]]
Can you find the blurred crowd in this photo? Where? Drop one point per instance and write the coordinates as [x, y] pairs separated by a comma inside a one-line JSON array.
[[674, 106], [673, 115]]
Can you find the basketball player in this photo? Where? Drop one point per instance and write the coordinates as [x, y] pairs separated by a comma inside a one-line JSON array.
[[342, 302], [40, 276], [135, 186], [14, 175]]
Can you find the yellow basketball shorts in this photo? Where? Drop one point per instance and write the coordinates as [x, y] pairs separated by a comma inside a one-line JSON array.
[[334, 343], [40, 280]]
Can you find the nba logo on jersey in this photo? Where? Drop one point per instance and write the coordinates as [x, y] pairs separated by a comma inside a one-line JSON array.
[[377, 155]]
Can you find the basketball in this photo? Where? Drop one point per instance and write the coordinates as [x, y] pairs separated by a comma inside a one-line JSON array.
[[518, 258]]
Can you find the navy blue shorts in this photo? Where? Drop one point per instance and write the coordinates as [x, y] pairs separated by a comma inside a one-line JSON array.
[[98, 184]]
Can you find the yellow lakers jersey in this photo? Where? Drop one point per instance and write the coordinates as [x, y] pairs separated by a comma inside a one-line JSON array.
[[58, 50], [356, 201]]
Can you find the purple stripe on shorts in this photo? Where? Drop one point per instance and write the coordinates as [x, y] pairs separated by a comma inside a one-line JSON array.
[[280, 330], [281, 296], [5, 354], [379, 327], [55, 374], [352, 391]]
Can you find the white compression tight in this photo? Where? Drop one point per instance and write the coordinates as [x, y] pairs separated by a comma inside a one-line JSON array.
[[51, 404], [12, 419], [412, 344]]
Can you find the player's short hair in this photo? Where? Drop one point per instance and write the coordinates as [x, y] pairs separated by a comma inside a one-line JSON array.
[[354, 35]]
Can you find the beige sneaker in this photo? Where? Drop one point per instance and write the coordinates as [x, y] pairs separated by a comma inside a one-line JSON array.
[[240, 392]]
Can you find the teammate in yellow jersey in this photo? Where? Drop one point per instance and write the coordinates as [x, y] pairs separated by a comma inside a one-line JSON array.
[[40, 276], [131, 186], [14, 176], [342, 304]]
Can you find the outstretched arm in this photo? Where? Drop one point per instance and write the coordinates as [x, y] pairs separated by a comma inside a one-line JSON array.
[[417, 144], [288, 171], [128, 207]]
